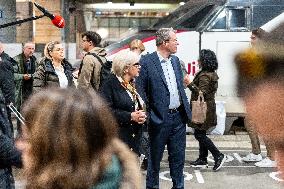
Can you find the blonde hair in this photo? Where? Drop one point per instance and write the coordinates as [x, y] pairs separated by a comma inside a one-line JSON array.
[[136, 44], [49, 48], [123, 60]]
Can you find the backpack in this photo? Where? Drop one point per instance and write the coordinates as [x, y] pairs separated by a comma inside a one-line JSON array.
[[105, 69]]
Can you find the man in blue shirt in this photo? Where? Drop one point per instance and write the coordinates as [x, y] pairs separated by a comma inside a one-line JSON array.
[[161, 86]]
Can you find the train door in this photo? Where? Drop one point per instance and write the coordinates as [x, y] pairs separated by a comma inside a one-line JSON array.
[[227, 34]]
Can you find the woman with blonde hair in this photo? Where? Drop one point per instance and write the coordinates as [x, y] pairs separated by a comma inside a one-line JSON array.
[[53, 70], [136, 45], [126, 104], [70, 142]]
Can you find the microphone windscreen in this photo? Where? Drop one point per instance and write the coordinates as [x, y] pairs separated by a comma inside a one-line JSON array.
[[58, 21]]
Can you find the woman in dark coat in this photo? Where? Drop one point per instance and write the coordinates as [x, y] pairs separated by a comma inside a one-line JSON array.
[[206, 81], [53, 70], [120, 93]]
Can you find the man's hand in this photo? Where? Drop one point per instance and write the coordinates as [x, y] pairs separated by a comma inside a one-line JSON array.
[[27, 77]]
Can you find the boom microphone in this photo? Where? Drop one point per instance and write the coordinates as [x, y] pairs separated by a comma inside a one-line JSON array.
[[57, 20]]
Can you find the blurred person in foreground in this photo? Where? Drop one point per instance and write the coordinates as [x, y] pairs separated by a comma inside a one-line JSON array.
[[70, 142], [120, 93], [261, 84], [53, 70], [257, 36], [9, 155], [206, 81], [160, 84]]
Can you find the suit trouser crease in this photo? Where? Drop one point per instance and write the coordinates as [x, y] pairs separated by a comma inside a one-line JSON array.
[[171, 133]]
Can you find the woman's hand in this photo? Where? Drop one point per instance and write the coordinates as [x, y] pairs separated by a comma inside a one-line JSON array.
[[186, 80], [138, 116]]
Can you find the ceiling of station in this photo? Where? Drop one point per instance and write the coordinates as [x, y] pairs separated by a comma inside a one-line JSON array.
[[133, 1]]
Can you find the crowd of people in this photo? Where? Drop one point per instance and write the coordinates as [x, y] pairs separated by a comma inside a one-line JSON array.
[[91, 135]]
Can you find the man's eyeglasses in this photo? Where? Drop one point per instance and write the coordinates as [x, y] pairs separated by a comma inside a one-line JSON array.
[[171, 40], [85, 40], [137, 65]]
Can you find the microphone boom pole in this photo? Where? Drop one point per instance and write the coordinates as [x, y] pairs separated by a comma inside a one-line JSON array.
[[21, 21]]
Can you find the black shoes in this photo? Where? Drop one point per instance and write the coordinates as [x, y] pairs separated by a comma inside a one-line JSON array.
[[199, 163], [219, 162]]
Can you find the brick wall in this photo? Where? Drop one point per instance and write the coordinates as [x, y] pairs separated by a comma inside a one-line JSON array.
[[45, 31], [24, 30]]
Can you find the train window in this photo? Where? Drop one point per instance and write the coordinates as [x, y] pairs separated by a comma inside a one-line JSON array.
[[113, 22], [220, 22], [195, 19], [124, 22], [230, 19], [134, 22], [237, 18], [103, 22]]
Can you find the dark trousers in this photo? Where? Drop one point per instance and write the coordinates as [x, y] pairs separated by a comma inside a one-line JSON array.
[[205, 144], [145, 142], [171, 133]]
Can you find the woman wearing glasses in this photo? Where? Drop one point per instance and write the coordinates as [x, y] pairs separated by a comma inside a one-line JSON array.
[[120, 93], [53, 70]]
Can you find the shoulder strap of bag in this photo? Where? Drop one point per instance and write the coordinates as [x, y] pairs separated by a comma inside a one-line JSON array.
[[200, 97], [100, 61], [97, 57]]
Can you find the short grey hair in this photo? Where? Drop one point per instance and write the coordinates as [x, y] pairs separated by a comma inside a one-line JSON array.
[[123, 60], [163, 35], [27, 44]]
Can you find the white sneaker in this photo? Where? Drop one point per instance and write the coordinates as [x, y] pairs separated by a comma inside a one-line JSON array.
[[266, 162], [252, 157]]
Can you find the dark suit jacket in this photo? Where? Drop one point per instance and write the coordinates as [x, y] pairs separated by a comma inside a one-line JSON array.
[[152, 86], [122, 106]]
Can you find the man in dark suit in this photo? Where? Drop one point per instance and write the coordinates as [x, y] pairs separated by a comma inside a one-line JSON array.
[[161, 85]]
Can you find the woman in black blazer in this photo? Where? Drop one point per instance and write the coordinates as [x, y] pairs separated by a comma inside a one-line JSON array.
[[127, 105]]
